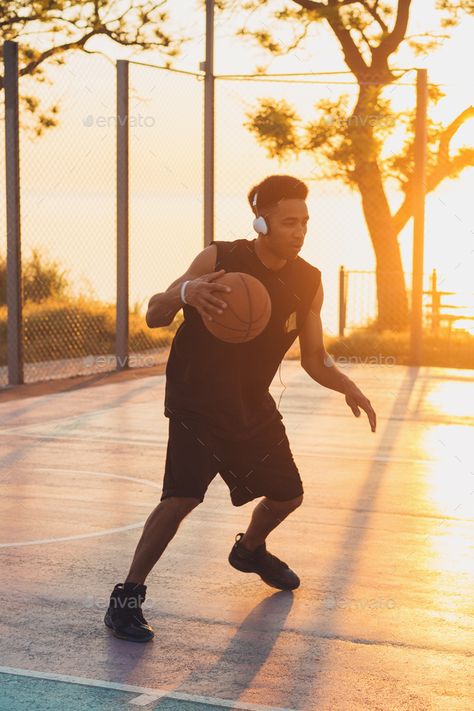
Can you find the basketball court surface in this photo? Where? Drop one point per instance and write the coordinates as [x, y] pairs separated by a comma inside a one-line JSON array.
[[383, 544]]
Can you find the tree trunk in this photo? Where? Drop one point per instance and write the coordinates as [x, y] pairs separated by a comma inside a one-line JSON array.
[[392, 299], [391, 292]]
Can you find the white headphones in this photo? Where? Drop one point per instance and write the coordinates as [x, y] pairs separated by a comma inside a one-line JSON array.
[[259, 223]]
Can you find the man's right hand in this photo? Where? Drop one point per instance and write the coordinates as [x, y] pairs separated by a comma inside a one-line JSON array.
[[199, 293]]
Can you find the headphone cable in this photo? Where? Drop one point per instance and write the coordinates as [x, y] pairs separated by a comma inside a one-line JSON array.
[[284, 386]]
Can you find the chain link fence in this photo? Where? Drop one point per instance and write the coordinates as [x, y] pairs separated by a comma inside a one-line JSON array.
[[303, 127], [69, 220], [68, 223]]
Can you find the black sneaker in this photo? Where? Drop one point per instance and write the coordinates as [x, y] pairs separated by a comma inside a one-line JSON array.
[[124, 615], [271, 569]]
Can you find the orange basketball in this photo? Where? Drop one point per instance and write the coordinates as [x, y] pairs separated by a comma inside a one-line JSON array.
[[248, 309]]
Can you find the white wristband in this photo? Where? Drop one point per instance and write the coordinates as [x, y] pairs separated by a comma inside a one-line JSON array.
[[182, 290]]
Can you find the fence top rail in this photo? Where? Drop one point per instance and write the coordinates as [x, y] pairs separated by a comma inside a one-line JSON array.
[[264, 79], [199, 74], [306, 74], [280, 77], [372, 271]]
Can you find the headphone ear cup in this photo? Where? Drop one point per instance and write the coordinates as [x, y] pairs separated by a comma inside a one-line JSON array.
[[260, 225]]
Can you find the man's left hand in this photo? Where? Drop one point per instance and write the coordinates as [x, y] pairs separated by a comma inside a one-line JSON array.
[[356, 399]]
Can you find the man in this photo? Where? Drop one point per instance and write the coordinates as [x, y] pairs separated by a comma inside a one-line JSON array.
[[222, 418]]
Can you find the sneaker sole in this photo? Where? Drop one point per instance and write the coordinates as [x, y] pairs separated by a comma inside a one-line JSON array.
[[122, 636]]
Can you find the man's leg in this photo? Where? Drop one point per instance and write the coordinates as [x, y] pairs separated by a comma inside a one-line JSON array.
[[266, 516], [158, 531]]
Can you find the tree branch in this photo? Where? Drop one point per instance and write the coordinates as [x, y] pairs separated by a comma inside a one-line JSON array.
[[390, 43], [94, 26], [318, 7], [373, 11], [450, 130], [445, 167], [330, 12], [16, 19], [78, 44], [365, 38]]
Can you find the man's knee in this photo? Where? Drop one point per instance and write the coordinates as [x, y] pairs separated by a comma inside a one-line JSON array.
[[182, 505], [287, 505]]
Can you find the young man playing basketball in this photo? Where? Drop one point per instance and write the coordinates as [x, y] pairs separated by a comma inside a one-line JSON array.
[[222, 418]]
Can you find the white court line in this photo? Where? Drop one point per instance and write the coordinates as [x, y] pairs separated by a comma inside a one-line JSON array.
[[295, 449], [144, 700], [107, 531], [155, 693], [89, 438]]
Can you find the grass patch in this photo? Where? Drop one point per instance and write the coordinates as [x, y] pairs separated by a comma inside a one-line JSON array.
[[454, 350], [56, 329], [73, 328]]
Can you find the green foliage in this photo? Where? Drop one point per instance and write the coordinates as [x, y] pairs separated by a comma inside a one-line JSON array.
[[41, 279], [74, 328], [454, 350], [58, 325], [274, 124], [370, 346], [347, 134]]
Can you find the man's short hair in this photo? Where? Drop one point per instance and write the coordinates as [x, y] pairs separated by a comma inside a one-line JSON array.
[[275, 188]]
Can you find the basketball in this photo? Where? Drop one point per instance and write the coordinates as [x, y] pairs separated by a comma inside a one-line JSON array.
[[248, 309]]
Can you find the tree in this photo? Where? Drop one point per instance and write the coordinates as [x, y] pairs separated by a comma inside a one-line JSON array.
[[350, 140], [139, 24]]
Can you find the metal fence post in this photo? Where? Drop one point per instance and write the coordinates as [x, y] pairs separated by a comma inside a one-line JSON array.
[[209, 126], [419, 188], [435, 302], [12, 177], [342, 302], [122, 305]]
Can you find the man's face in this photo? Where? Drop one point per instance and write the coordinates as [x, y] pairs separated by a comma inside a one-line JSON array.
[[288, 222]]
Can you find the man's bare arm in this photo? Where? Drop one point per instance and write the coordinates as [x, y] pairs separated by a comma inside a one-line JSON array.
[[315, 360], [320, 366], [163, 307]]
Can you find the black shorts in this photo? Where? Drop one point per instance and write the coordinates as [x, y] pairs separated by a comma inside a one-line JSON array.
[[261, 466]]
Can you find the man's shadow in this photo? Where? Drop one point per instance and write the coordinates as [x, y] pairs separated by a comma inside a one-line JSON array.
[[246, 653], [253, 642]]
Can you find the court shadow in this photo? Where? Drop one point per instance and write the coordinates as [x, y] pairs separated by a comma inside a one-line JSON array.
[[245, 654], [313, 661], [123, 657]]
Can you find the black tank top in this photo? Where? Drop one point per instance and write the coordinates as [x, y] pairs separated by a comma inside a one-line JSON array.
[[226, 384]]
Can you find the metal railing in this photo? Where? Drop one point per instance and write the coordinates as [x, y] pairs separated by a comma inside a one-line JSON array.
[[357, 304]]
